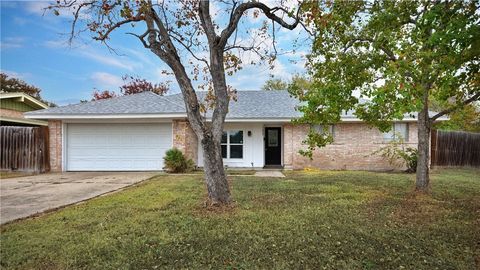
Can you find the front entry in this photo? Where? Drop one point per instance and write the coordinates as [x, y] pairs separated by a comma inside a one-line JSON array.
[[273, 146]]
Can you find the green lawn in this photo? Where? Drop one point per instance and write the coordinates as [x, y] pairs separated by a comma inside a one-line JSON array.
[[331, 220]]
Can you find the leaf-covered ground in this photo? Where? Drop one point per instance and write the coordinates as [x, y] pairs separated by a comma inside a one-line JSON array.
[[330, 220]]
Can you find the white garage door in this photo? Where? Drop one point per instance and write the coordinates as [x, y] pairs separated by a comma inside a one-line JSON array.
[[117, 147]]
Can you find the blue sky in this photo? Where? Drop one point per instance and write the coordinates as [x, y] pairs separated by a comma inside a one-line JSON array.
[[34, 48]]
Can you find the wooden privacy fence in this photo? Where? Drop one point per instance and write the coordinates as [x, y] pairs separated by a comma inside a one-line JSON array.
[[24, 149], [455, 148]]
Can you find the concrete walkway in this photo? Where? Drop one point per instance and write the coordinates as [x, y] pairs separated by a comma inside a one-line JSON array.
[[25, 196], [268, 173]]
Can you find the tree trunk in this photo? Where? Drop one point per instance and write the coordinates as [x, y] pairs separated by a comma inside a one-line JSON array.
[[423, 177], [215, 178], [208, 134]]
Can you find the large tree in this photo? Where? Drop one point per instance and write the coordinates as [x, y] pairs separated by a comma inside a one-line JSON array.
[[173, 29], [399, 55]]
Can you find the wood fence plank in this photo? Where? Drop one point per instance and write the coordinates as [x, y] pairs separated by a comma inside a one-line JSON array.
[[457, 148], [23, 148]]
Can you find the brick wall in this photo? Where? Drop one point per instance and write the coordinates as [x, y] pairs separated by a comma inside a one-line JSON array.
[[55, 141], [351, 150], [185, 139], [11, 113]]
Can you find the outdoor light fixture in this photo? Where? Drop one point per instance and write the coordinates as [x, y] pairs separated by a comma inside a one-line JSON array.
[[249, 133]]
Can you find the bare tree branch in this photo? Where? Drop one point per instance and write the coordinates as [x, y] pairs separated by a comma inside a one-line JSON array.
[[245, 49], [452, 109], [75, 19], [206, 21], [142, 38], [103, 37], [273, 37], [188, 48], [269, 13]]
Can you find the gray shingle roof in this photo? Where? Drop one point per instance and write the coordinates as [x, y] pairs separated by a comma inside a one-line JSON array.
[[261, 104], [142, 103], [249, 104]]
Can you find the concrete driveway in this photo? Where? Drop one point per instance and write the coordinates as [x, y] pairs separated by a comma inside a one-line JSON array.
[[25, 196]]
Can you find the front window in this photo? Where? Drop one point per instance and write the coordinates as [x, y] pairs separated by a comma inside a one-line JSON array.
[[399, 131], [326, 130], [232, 144]]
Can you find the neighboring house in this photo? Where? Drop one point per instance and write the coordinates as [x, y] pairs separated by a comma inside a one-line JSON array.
[[133, 132], [12, 107]]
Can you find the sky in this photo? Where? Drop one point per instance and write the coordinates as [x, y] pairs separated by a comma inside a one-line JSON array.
[[34, 47]]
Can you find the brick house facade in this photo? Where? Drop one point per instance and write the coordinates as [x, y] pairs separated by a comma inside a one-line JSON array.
[[133, 132], [352, 148], [55, 140], [185, 139]]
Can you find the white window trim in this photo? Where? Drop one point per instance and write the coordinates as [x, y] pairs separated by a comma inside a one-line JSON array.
[[228, 144], [395, 133], [331, 129]]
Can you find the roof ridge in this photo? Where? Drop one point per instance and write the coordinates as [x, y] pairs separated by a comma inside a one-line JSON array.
[[260, 90]]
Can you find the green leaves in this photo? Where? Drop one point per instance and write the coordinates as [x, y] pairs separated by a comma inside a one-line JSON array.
[[398, 155], [316, 138], [274, 84], [379, 59]]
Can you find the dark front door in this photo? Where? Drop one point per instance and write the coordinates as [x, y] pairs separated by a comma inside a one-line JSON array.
[[273, 146]]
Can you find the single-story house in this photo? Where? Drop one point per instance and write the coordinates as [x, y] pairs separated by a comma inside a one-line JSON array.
[[133, 132], [13, 105]]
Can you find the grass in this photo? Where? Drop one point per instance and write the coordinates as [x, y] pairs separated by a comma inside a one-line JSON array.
[[329, 220], [9, 174]]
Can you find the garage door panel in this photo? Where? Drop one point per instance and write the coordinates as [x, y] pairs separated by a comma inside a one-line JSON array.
[[103, 152], [118, 165], [117, 147]]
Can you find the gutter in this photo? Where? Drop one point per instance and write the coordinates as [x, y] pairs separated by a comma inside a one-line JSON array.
[[183, 116]]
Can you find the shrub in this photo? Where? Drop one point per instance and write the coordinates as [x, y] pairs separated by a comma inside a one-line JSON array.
[[175, 162], [398, 155], [410, 157]]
